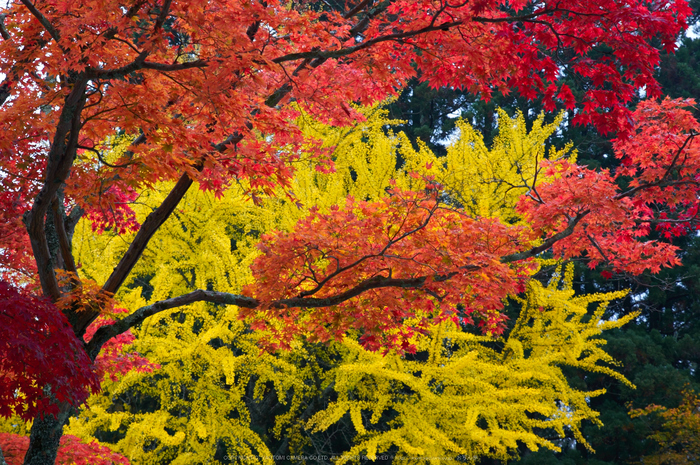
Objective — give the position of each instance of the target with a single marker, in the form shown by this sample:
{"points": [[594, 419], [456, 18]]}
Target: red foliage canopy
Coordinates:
{"points": [[381, 252], [198, 81], [38, 352], [72, 451]]}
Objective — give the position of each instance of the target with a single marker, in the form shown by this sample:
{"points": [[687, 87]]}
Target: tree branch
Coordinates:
{"points": [[105, 333], [660, 182], [140, 61], [356, 9], [3, 30], [60, 161], [513, 19], [174, 66], [165, 10], [325, 55], [148, 228], [154, 221], [63, 241], [548, 242], [381, 253], [43, 20]]}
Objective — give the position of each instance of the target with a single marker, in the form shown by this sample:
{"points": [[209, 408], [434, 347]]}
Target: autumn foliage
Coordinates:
{"points": [[72, 451], [111, 65], [32, 377], [416, 251], [459, 393], [678, 435], [384, 250], [104, 100]]}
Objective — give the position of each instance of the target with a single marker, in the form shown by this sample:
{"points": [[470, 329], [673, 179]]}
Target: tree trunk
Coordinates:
{"points": [[45, 437], [2, 458]]}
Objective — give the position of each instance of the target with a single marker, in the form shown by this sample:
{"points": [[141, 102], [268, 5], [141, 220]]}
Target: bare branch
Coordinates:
{"points": [[119, 72], [101, 158], [174, 66], [107, 332], [356, 9], [513, 19]]}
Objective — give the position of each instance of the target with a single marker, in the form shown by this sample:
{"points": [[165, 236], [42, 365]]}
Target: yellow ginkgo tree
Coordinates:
{"points": [[469, 396], [218, 398]]}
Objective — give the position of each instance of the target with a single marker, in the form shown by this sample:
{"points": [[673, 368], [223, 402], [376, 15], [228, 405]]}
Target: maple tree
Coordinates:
{"points": [[202, 91]]}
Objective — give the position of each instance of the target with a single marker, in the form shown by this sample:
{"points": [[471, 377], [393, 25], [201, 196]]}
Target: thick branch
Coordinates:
{"points": [[164, 12], [252, 30], [141, 63], [60, 160], [107, 332], [72, 221], [63, 240], [43, 20], [174, 66], [3, 30], [5, 91], [148, 228], [512, 19], [356, 9]]}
